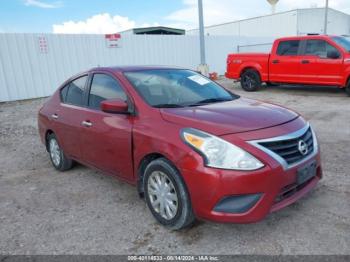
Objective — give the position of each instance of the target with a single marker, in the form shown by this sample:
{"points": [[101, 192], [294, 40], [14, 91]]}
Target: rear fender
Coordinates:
{"points": [[254, 66]]}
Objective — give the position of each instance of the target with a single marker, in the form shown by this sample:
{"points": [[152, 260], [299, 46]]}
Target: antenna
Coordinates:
{"points": [[273, 4]]}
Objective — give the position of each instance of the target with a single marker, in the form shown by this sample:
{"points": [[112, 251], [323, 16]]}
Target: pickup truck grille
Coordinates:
{"points": [[289, 149]]}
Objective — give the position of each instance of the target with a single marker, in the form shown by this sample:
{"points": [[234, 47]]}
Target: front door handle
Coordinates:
{"points": [[86, 123], [305, 61], [54, 116], [275, 61]]}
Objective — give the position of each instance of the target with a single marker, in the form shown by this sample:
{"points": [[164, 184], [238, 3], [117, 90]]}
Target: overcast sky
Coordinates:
{"points": [[109, 16]]}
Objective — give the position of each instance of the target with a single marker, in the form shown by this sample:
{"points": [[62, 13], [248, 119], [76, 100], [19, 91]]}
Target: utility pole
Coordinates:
{"points": [[203, 67], [325, 18]]}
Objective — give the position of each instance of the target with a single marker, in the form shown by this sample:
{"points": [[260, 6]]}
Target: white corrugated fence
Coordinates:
{"points": [[34, 65]]}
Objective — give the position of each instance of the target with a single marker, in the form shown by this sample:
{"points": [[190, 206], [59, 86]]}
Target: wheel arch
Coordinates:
{"points": [[250, 67], [347, 82], [47, 133], [346, 77], [144, 162], [141, 167]]}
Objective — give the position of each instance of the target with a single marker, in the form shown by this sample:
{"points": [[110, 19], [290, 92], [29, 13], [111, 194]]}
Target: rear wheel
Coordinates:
{"points": [[250, 80], [57, 156], [347, 88], [166, 195]]}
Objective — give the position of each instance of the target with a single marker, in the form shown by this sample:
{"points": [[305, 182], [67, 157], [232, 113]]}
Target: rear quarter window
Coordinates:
{"points": [[75, 91], [64, 92]]}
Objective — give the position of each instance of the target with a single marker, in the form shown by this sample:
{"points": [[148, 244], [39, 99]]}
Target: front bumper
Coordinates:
{"points": [[275, 188]]}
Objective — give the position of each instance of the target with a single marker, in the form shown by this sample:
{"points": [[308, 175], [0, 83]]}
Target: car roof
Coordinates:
{"points": [[114, 69], [133, 68]]}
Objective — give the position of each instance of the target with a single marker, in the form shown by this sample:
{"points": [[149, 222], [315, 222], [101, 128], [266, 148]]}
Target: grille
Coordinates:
{"points": [[289, 149]]}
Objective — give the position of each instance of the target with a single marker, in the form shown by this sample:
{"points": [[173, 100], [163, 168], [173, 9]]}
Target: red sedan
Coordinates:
{"points": [[192, 148]]}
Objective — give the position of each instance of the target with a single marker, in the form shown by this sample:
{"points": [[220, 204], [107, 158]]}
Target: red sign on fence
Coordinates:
{"points": [[113, 40]]}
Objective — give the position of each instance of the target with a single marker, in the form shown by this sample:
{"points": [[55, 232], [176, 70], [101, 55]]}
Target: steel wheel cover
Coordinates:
{"points": [[55, 152], [162, 195]]}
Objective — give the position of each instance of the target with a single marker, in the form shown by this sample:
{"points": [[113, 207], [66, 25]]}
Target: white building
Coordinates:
{"points": [[290, 23]]}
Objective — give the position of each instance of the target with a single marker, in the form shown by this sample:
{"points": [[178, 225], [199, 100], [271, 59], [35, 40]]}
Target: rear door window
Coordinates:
{"points": [[104, 87], [288, 48], [75, 94]]}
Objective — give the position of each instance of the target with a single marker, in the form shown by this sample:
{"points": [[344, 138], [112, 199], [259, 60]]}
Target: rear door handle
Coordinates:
{"points": [[305, 61], [54, 116], [275, 61], [86, 123]]}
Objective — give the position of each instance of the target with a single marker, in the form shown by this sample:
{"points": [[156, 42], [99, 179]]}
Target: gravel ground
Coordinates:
{"points": [[84, 212]]}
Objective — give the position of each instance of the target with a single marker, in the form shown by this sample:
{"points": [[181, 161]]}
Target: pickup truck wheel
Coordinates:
{"points": [[347, 88], [250, 80]]}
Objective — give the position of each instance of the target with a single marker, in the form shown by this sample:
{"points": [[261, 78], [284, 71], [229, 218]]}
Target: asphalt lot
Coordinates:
{"points": [[82, 211]]}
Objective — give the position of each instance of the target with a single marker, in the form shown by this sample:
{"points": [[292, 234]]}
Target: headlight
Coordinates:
{"points": [[219, 153]]}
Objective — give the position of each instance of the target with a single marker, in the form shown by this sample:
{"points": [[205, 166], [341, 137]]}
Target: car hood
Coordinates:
{"points": [[239, 115]]}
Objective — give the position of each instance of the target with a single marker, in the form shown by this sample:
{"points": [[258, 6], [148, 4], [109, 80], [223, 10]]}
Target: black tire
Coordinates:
{"points": [[183, 216], [63, 163], [347, 88], [250, 80]]}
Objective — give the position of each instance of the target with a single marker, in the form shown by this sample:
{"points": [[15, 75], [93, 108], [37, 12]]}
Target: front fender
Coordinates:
{"points": [[164, 140], [346, 73]]}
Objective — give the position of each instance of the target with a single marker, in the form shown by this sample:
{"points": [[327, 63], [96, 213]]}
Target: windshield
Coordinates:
{"points": [[343, 42], [164, 88]]}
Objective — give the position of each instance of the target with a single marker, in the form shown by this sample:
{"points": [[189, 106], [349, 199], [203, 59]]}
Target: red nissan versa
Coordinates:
{"points": [[193, 148]]}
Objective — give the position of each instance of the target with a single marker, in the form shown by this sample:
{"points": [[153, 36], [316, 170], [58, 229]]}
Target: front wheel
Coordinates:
{"points": [[166, 195], [250, 80], [347, 88]]}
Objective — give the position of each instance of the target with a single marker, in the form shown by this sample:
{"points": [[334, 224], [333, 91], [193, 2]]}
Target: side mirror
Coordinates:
{"points": [[333, 54], [116, 106]]}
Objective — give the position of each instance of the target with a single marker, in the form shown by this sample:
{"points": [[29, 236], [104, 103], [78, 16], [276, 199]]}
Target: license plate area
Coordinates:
{"points": [[306, 173]]}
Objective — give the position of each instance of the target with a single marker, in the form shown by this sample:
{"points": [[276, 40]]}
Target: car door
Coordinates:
{"points": [[106, 138], [321, 64], [284, 65], [68, 116]]}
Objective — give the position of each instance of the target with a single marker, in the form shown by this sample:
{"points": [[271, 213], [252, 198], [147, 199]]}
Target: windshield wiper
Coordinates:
{"points": [[210, 100], [168, 106]]}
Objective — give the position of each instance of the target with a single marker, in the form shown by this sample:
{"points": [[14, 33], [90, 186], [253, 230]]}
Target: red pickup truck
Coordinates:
{"points": [[308, 60]]}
